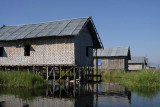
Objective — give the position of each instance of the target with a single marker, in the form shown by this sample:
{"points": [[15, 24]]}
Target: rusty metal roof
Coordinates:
{"points": [[70, 27], [113, 51]]}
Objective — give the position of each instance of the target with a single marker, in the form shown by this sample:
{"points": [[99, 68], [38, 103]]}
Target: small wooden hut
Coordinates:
{"points": [[57, 43], [113, 58], [138, 63]]}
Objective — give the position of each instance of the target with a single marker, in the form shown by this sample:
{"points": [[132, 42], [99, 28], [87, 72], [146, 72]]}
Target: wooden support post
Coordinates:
{"points": [[74, 73], [96, 66], [60, 73], [92, 74], [27, 69], [5, 68], [54, 74], [68, 75], [79, 75], [96, 94], [46, 72], [84, 73], [87, 73], [60, 90], [33, 69], [74, 91], [18, 68]]}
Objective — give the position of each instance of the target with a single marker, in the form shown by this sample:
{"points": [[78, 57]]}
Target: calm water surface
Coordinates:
{"points": [[84, 95]]}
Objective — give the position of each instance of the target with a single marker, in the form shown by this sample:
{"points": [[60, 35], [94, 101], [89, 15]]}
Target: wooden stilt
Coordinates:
{"points": [[54, 74], [5, 68], [34, 69], [84, 74], [74, 73], [96, 66], [18, 68], [60, 73], [87, 73], [79, 75], [92, 74], [46, 72]]}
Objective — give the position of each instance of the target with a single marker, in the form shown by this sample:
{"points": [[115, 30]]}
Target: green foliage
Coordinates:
{"points": [[21, 79], [143, 78]]}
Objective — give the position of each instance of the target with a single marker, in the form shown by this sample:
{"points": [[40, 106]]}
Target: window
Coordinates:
{"points": [[1, 51], [27, 50], [99, 62], [87, 51]]}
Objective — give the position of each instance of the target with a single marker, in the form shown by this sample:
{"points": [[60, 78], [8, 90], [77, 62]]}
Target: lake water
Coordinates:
{"points": [[84, 95]]}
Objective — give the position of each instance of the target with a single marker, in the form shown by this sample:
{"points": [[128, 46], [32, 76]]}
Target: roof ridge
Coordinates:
{"points": [[138, 56], [50, 21], [117, 47]]}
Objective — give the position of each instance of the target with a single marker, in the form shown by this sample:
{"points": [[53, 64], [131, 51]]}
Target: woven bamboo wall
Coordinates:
{"points": [[83, 40], [112, 63], [52, 50]]}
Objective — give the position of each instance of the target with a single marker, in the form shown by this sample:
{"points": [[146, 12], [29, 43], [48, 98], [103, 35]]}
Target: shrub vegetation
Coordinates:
{"points": [[21, 79], [142, 78]]}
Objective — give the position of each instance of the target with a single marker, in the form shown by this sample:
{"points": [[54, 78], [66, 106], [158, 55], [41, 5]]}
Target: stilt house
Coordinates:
{"points": [[138, 63], [113, 58], [63, 42]]}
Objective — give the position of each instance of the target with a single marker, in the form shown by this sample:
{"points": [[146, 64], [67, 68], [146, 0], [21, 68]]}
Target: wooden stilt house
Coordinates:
{"points": [[113, 58], [56, 43], [64, 42], [138, 63]]}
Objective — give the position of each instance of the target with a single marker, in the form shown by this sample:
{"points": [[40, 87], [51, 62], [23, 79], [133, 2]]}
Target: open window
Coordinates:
{"points": [[1, 51], [87, 51], [27, 49]]}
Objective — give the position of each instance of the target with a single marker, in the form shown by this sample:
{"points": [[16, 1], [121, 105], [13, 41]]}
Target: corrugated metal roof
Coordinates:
{"points": [[113, 51], [138, 60], [70, 27], [55, 28]]}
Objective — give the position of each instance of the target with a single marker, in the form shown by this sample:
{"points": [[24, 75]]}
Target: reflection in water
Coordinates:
{"points": [[112, 94], [65, 95], [146, 92], [69, 95]]}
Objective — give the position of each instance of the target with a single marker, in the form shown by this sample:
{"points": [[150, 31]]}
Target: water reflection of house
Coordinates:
{"points": [[113, 93], [13, 101], [58, 96], [113, 58], [138, 63]]}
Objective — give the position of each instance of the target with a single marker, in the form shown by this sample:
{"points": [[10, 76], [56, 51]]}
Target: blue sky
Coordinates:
{"points": [[134, 23]]}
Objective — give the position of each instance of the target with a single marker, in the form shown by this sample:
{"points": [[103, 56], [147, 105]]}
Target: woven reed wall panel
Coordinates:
{"points": [[135, 66], [112, 63], [83, 40], [53, 50]]}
